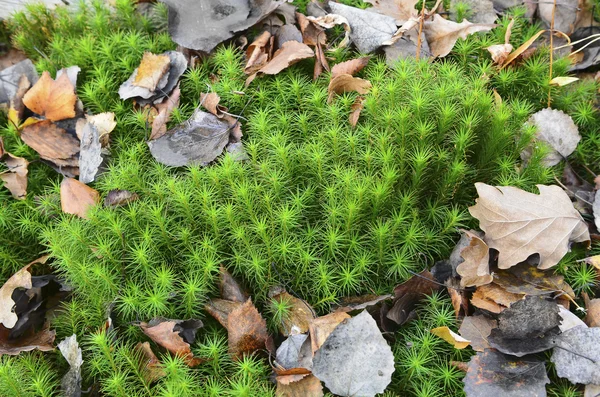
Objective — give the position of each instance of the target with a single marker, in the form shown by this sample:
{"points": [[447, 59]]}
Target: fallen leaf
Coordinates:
{"points": [[295, 352], [11, 76], [117, 198], [290, 53], [220, 309], [21, 279], [149, 364], [210, 101], [52, 143], [71, 381], [356, 109], [564, 14], [442, 34], [592, 306], [454, 339], [42, 341], [307, 386], [475, 270], [258, 53], [15, 178], [556, 129], [90, 154], [401, 10], [458, 298], [577, 357], [477, 329], [525, 278], [105, 123], [500, 53], [298, 315], [152, 68], [174, 335], [287, 33], [312, 33], [569, 320], [492, 373], [518, 223], [350, 67], [369, 30], [350, 304], [591, 391], [71, 72], [346, 83], [230, 288], [527, 326], [561, 81], [199, 140], [202, 26], [493, 298], [408, 294], [237, 151], [77, 198], [522, 48], [321, 327], [159, 124], [246, 330], [54, 99]]}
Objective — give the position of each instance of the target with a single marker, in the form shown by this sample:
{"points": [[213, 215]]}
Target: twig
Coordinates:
{"points": [[421, 22], [551, 52]]}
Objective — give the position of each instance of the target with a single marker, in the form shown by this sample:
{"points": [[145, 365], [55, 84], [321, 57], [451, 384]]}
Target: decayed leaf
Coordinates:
{"points": [[15, 178], [90, 153], [199, 140], [159, 124], [52, 143], [477, 329], [519, 224], [71, 381], [592, 306], [522, 49], [175, 336], [117, 198], [491, 373], [307, 386], [475, 270], [449, 336], [77, 198], [152, 68], [442, 34], [402, 10], [347, 83], [408, 294], [321, 327], [295, 352], [350, 304], [258, 53], [290, 53], [230, 288], [527, 326], [355, 360], [369, 30], [220, 309], [298, 316], [21, 279], [203, 25], [350, 67], [525, 278], [558, 130], [42, 340], [53, 99], [328, 21], [577, 357], [493, 298], [149, 363], [246, 330], [356, 108]]}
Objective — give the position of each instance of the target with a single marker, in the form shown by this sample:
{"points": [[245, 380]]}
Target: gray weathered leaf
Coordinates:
{"points": [[558, 130], [202, 25], [288, 33], [295, 352], [90, 154], [71, 72], [355, 359], [71, 382], [577, 357], [369, 30], [565, 14], [199, 140], [9, 79]]}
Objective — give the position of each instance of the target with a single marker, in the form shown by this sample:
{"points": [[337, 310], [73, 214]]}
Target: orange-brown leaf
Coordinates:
{"points": [[53, 99], [306, 386], [289, 53], [247, 330], [165, 335], [494, 298], [52, 143], [15, 178], [152, 69], [350, 67], [321, 327], [77, 198], [475, 271], [356, 108], [258, 53], [346, 83], [42, 340]]}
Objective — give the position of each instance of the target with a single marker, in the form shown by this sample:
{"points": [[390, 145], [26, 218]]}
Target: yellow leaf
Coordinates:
{"points": [[560, 81], [454, 339]]}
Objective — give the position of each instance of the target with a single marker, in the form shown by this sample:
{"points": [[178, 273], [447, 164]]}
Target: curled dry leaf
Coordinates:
{"points": [[350, 67], [346, 83], [475, 270], [519, 224], [306, 386], [522, 49], [42, 341], [21, 279], [329, 21], [500, 53], [52, 143], [321, 327], [105, 123], [117, 198], [290, 53], [149, 364], [159, 124], [258, 53], [15, 178], [295, 352], [77, 198], [54, 99], [442, 34], [493, 298], [220, 309], [152, 68], [451, 337], [175, 336], [408, 294], [477, 329], [246, 330], [356, 108], [71, 381]]}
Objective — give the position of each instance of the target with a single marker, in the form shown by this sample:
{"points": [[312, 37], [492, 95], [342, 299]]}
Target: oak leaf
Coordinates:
{"points": [[519, 224], [54, 99], [77, 198], [442, 34]]}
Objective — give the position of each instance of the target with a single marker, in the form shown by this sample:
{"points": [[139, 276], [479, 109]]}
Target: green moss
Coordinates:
{"points": [[326, 209]]}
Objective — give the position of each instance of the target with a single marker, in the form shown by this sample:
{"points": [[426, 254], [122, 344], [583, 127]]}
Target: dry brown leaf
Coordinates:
{"points": [[15, 178], [493, 298], [350, 67], [246, 330], [52, 143], [230, 288], [321, 62], [258, 53], [149, 364], [77, 198], [409, 293], [167, 334], [592, 306], [459, 300], [291, 386], [518, 223], [53, 99], [290, 53], [312, 34], [210, 101], [477, 329], [449, 336], [220, 309], [500, 53], [42, 340], [356, 108], [321, 327], [21, 279], [524, 47], [152, 68], [442, 34], [402, 10], [475, 270], [159, 124], [526, 278], [298, 317], [347, 83]]}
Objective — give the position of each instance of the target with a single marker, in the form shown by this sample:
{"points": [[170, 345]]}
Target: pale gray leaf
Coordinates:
{"points": [[569, 319], [199, 140], [355, 359], [71, 381], [564, 14], [90, 154], [72, 72], [406, 47], [369, 29], [577, 357], [288, 33], [477, 329], [9, 78], [295, 352]]}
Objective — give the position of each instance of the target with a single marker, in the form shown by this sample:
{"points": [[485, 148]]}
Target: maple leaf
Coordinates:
{"points": [[519, 224], [54, 99]]}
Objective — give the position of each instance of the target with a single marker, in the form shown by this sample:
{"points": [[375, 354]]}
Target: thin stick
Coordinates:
{"points": [[421, 22], [551, 51]]}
